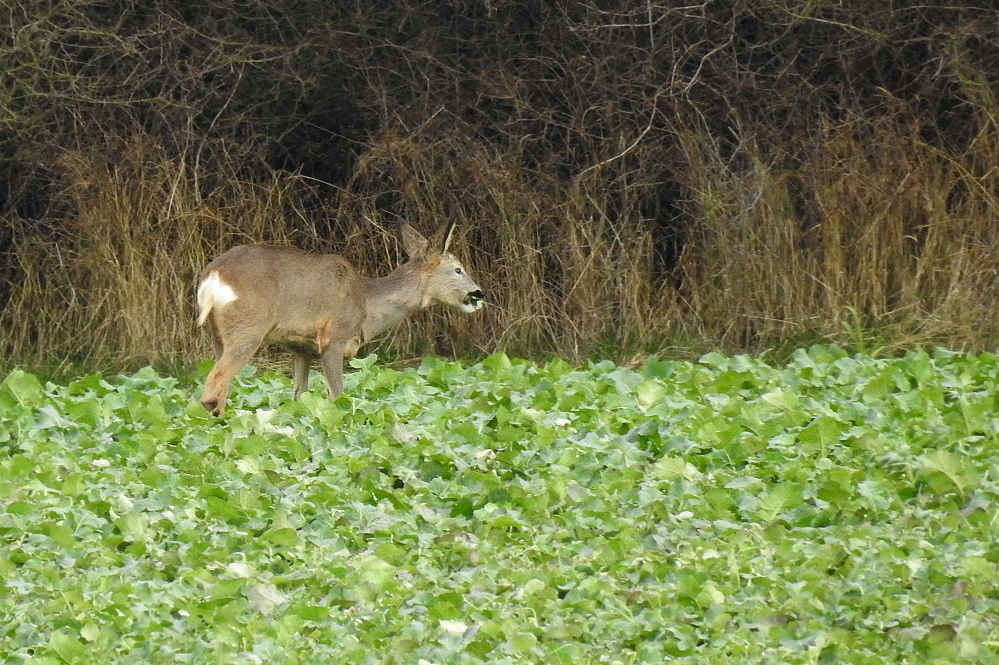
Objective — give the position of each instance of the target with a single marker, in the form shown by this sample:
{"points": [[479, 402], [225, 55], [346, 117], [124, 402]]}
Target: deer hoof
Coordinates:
{"points": [[212, 406]]}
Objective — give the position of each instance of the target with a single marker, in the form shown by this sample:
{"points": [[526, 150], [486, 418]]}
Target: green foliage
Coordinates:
{"points": [[835, 509]]}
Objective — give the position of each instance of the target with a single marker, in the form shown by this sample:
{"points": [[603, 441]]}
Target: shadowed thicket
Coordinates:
{"points": [[627, 176]]}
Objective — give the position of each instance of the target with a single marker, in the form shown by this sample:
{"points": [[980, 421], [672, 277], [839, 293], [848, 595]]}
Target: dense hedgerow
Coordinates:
{"points": [[627, 175]]}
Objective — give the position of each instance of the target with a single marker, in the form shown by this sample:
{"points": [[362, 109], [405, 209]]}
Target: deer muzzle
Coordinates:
{"points": [[473, 301]]}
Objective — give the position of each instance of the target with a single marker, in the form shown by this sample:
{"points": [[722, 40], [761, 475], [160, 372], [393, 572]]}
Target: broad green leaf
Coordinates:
{"points": [[673, 468], [523, 641], [264, 598], [498, 362], [249, 465], [649, 393], [951, 466], [69, 649], [283, 537], [822, 432], [710, 595], [372, 570], [455, 627], [23, 387], [61, 536], [714, 359], [778, 500], [90, 632], [782, 399]]}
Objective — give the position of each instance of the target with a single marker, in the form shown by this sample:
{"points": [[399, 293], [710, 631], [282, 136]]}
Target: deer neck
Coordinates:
{"points": [[392, 298]]}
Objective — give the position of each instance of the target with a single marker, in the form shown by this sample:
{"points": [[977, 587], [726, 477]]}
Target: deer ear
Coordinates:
{"points": [[442, 239], [413, 243]]}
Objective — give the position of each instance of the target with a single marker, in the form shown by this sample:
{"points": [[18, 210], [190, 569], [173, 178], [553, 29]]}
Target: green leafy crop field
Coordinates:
{"points": [[837, 509]]}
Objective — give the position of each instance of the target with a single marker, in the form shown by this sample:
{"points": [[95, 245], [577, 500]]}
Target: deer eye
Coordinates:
{"points": [[457, 271]]}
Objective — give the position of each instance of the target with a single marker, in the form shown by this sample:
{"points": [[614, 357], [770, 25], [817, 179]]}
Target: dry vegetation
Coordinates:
{"points": [[628, 175]]}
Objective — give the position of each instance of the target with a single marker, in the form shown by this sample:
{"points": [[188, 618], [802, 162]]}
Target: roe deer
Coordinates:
{"points": [[318, 305]]}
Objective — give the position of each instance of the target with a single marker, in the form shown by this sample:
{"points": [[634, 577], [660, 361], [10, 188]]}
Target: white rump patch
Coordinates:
{"points": [[213, 292]]}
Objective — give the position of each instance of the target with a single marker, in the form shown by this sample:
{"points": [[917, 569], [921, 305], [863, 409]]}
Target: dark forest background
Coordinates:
{"points": [[627, 176]]}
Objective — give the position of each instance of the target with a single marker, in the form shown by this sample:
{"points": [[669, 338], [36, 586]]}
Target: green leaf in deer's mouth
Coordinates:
{"points": [[474, 299]]}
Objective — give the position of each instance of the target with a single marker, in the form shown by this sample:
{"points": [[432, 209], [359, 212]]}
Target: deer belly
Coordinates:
{"points": [[314, 342]]}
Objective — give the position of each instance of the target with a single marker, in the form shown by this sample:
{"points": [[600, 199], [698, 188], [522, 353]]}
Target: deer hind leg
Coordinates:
{"points": [[216, 339], [300, 373], [234, 356]]}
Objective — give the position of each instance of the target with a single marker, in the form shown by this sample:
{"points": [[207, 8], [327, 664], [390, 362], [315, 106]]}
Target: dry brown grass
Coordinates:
{"points": [[111, 284], [627, 177], [883, 236]]}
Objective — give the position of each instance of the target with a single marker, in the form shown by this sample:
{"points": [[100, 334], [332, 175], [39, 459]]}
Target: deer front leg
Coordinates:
{"points": [[332, 364], [300, 373]]}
